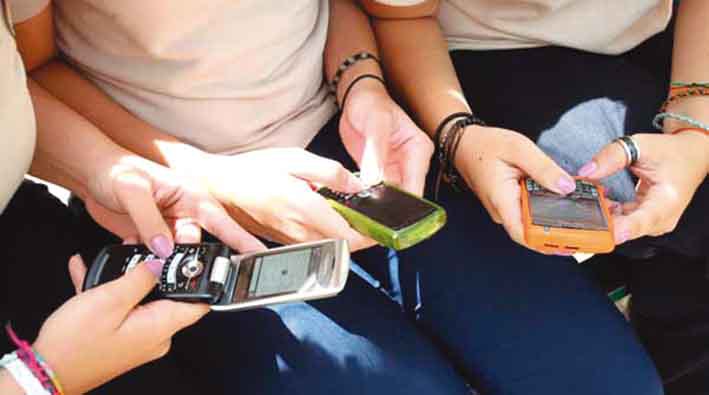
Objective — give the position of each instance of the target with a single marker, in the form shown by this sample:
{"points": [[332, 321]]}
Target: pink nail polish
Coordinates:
{"points": [[588, 169], [155, 266], [162, 246], [566, 185]]}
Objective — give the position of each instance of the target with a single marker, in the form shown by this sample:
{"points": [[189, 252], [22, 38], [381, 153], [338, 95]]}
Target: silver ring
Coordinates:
{"points": [[631, 149]]}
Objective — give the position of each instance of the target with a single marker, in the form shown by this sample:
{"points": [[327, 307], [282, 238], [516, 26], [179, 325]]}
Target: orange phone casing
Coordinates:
{"points": [[550, 239]]}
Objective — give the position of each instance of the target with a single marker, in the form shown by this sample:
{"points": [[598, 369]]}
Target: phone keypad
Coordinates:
{"points": [[584, 189]]}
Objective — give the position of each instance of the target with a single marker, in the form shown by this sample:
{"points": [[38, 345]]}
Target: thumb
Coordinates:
{"points": [[540, 167], [131, 288], [164, 318], [77, 272], [319, 170], [135, 194], [375, 127], [608, 161]]}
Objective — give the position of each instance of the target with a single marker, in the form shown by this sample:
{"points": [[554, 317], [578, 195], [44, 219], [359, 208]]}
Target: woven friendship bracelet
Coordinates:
{"points": [[659, 118], [31, 359], [684, 93], [346, 64], [683, 85]]}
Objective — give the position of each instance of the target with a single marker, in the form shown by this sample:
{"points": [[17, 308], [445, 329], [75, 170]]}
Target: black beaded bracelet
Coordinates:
{"points": [[447, 145], [356, 80], [346, 64]]}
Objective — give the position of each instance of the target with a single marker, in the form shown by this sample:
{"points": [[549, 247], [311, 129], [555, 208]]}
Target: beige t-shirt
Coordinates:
{"points": [[17, 125], [601, 26], [225, 76]]}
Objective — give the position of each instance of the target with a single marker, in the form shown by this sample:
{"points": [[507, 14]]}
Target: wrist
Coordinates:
{"points": [[355, 71], [470, 140], [8, 385], [695, 107]]}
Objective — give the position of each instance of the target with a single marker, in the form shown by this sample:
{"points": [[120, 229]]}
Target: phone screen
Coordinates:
{"points": [[281, 273], [389, 206], [578, 210]]}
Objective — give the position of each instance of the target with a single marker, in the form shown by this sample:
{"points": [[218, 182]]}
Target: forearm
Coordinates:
{"points": [[69, 148], [119, 125], [349, 32], [8, 385], [690, 63], [419, 68]]}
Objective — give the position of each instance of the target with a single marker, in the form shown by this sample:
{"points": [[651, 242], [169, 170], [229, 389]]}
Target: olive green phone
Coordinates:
{"points": [[385, 213]]}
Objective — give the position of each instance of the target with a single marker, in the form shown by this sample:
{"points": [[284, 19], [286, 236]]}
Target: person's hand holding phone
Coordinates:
{"points": [[103, 333], [492, 161], [670, 169], [384, 142], [271, 193]]}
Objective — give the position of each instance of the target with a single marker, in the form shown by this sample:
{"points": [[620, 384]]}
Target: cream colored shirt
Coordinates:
{"points": [[17, 125], [601, 26], [225, 76]]}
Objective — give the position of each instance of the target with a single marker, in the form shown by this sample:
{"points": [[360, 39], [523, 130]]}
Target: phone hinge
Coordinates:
{"points": [[220, 270]]}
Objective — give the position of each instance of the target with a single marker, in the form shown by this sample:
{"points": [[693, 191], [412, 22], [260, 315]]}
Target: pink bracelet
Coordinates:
{"points": [[35, 363]]}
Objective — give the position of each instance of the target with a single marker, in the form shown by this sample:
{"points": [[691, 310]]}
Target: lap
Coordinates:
{"points": [[515, 321]]}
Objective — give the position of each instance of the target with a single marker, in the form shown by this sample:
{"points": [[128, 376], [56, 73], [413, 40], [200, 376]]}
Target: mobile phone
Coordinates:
{"points": [[212, 273], [392, 217], [577, 222]]}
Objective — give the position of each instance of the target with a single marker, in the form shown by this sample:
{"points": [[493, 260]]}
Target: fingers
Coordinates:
{"points": [[610, 160], [540, 167], [163, 318], [134, 193], [77, 272], [647, 217], [187, 230], [323, 219], [128, 290], [506, 201], [320, 170], [217, 221]]}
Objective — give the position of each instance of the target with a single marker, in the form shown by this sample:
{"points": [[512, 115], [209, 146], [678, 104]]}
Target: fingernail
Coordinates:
{"points": [[588, 169], [155, 266], [566, 185], [162, 246]]}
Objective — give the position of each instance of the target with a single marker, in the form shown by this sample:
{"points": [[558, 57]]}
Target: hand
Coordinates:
{"points": [[493, 160], [670, 169], [134, 197], [383, 140], [103, 333], [270, 192]]}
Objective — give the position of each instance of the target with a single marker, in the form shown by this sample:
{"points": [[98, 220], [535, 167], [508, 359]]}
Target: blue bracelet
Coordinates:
{"points": [[659, 118]]}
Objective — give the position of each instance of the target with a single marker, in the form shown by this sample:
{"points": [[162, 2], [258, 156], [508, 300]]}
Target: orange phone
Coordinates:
{"points": [[577, 222]]}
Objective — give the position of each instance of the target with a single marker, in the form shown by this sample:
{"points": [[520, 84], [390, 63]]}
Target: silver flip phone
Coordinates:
{"points": [[211, 273]]}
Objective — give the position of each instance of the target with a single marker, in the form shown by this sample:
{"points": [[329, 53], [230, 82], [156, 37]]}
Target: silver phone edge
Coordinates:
{"points": [[341, 249]]}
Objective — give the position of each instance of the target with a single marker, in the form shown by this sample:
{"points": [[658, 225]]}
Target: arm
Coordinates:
{"points": [[490, 160], [690, 63], [380, 137], [8, 385], [416, 60], [670, 167], [36, 44]]}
